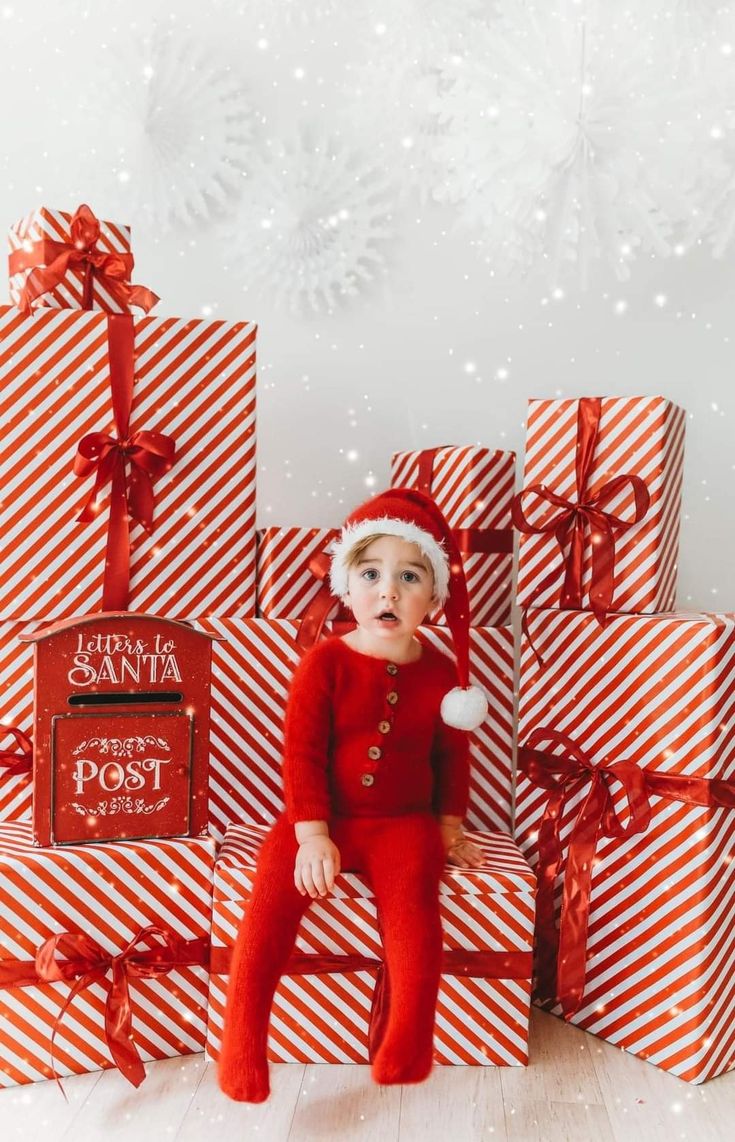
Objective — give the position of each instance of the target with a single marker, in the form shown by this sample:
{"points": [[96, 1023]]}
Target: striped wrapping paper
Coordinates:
{"points": [[285, 585], [195, 380], [658, 691], [639, 435], [55, 225], [16, 709], [325, 1019], [251, 673], [473, 487], [110, 892]]}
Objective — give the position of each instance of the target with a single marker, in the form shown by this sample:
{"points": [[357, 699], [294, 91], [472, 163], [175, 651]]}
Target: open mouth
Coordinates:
{"points": [[387, 617]]}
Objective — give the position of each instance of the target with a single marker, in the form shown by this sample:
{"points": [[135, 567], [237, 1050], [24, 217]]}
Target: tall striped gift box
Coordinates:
{"points": [[285, 583], [194, 382], [106, 897], [252, 669], [614, 447], [487, 916], [625, 804], [34, 241], [16, 710], [473, 487]]}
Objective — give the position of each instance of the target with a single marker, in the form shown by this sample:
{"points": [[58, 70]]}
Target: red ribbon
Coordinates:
{"points": [[85, 962], [568, 523], [51, 261], [321, 606], [466, 964], [562, 953], [130, 462], [19, 760]]}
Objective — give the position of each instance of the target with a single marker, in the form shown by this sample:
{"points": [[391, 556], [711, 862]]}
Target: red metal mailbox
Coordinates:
{"points": [[121, 729]]}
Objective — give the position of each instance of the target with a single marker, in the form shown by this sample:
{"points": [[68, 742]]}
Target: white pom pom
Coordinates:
{"points": [[465, 709]]}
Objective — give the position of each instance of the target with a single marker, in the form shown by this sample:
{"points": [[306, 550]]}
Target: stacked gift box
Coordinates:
{"points": [[118, 496], [324, 1007], [625, 789], [128, 472]]}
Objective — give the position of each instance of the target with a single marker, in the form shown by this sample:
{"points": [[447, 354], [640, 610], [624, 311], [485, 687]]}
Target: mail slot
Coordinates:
{"points": [[121, 729]]}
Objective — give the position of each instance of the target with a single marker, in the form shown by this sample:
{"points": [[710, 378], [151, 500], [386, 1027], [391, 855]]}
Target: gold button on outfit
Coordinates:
{"points": [[367, 779], [392, 668], [392, 697], [384, 727], [375, 753]]}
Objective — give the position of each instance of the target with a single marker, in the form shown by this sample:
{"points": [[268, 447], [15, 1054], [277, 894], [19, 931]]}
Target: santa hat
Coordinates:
{"points": [[413, 516]]}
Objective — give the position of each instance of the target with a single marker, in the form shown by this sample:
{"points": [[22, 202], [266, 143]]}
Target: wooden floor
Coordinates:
{"points": [[578, 1089]]}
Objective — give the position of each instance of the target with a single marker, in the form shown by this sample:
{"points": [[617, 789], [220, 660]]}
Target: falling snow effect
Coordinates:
{"points": [[316, 225]]}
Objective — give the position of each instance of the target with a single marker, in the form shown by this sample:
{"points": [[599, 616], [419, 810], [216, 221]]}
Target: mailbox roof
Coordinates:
{"points": [[81, 620]]}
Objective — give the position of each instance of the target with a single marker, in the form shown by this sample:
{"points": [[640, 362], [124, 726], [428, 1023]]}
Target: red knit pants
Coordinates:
{"points": [[402, 858]]}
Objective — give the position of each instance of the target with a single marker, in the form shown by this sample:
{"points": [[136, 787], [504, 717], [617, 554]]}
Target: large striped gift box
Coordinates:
{"points": [[16, 709], [632, 719], [473, 487], [251, 671], [46, 225], [285, 583], [109, 894], [325, 1018], [639, 436], [194, 381]]}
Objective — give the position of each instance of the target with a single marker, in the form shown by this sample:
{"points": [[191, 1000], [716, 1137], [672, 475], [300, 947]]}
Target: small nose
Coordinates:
{"points": [[390, 589]]}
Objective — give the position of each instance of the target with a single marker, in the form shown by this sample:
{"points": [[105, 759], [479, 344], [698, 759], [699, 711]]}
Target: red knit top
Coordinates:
{"points": [[364, 737]]}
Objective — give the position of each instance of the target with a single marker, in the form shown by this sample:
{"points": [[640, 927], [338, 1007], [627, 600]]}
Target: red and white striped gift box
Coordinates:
{"points": [[110, 892], [251, 672], [16, 709], [473, 487], [642, 436], [326, 1018], [195, 381], [285, 585], [44, 224], [659, 692]]}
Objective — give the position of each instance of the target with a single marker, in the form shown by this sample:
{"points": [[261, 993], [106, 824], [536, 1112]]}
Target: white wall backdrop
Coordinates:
{"points": [[433, 208]]}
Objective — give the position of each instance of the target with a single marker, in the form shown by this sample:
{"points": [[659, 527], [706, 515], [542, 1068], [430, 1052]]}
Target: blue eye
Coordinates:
{"points": [[410, 577], [370, 574]]}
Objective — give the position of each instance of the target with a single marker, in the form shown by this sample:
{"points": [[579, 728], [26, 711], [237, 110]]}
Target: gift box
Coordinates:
{"points": [[286, 582], [324, 1016], [183, 468], [473, 487], [79, 261], [251, 672], [66, 913], [599, 513], [625, 805], [16, 711]]}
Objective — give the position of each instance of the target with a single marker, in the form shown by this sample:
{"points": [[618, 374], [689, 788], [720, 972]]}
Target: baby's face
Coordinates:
{"points": [[391, 588]]}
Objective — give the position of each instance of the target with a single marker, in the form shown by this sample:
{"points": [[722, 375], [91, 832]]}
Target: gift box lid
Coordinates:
{"points": [[505, 870], [109, 891]]}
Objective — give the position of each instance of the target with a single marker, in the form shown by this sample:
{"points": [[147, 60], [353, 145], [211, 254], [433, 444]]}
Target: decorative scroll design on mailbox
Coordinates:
{"points": [[119, 805], [122, 747]]}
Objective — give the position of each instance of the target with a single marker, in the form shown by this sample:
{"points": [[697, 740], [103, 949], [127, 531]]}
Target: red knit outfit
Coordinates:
{"points": [[365, 750]]}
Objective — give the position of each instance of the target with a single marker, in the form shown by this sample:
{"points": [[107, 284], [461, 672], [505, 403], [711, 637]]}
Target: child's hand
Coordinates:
{"points": [[459, 850], [317, 865]]}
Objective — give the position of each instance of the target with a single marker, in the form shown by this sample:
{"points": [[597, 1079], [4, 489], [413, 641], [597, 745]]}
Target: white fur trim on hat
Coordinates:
{"points": [[387, 525]]}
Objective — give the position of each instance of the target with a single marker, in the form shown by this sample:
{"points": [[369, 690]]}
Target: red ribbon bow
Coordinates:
{"points": [[148, 455], [568, 523], [86, 963], [562, 953], [19, 760], [51, 261]]}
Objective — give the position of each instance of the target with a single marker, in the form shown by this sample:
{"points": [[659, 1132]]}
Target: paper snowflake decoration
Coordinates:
{"points": [[315, 227], [571, 135], [174, 129]]}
